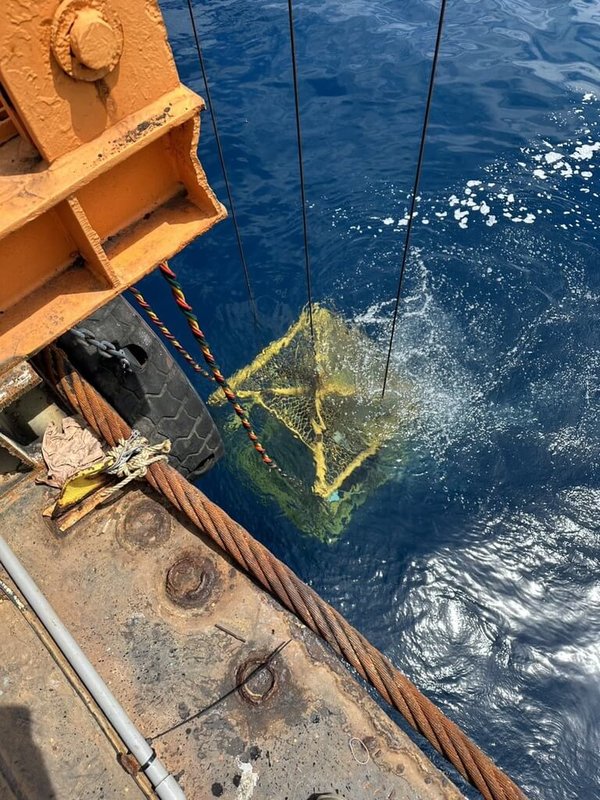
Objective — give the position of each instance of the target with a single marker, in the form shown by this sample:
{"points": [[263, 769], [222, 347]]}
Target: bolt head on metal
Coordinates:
{"points": [[86, 38], [145, 526], [257, 680], [93, 41], [190, 580]]}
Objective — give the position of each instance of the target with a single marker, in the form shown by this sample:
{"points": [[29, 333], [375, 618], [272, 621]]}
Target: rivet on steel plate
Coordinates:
{"points": [[256, 679], [146, 525], [190, 580]]}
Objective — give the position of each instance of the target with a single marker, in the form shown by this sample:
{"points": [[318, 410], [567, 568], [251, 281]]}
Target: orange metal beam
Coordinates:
{"points": [[99, 176]]}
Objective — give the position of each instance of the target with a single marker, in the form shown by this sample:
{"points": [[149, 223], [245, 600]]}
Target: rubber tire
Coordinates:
{"points": [[156, 397]]}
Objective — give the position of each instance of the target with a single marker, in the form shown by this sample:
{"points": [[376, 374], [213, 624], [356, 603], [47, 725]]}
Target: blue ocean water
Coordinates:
{"points": [[475, 567]]}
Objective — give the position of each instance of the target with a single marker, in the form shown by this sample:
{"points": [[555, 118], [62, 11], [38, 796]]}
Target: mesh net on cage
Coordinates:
{"points": [[325, 394]]}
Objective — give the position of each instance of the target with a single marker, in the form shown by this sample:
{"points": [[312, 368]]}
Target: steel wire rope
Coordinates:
{"points": [[301, 164], [394, 687], [415, 191], [213, 117]]}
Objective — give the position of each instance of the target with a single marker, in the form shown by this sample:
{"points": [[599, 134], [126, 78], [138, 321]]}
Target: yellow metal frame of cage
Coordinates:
{"points": [[321, 317]]}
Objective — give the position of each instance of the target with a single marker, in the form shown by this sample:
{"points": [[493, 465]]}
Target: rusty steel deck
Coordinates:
{"points": [[240, 700]]}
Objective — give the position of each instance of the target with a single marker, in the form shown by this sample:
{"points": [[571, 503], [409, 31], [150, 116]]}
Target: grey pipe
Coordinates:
{"points": [[165, 785]]}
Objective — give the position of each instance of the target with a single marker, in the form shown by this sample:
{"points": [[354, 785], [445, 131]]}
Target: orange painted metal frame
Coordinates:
{"points": [[99, 180]]}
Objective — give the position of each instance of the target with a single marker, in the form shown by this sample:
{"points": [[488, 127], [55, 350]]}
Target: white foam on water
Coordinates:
{"points": [[585, 151], [551, 157], [512, 202], [494, 334], [552, 165]]}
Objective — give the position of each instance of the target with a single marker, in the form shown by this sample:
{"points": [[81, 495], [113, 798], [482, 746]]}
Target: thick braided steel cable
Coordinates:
{"points": [[280, 581], [170, 337], [192, 320]]}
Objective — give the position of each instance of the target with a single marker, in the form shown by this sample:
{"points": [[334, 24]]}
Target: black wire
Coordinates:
{"points": [[415, 192], [227, 694], [301, 165], [213, 116]]}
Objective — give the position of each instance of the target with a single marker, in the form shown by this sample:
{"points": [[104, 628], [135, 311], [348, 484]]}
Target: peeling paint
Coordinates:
{"points": [[248, 780]]}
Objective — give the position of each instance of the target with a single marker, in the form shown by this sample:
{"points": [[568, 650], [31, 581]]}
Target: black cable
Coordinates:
{"points": [[213, 116], [415, 192], [301, 165], [227, 694]]}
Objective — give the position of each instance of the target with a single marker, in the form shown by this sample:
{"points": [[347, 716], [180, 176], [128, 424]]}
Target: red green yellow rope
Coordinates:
{"points": [[218, 376], [153, 316]]}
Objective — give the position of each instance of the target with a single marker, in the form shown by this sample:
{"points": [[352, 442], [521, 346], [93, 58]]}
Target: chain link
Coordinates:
{"points": [[103, 346]]}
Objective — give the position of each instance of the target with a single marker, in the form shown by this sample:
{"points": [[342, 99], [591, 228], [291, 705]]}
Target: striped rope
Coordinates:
{"points": [[153, 317], [231, 396]]}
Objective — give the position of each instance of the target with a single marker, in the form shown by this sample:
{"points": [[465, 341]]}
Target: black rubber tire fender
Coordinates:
{"points": [[155, 397]]}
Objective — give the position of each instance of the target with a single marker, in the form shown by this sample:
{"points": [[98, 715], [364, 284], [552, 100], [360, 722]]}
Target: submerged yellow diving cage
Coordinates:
{"points": [[99, 177]]}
